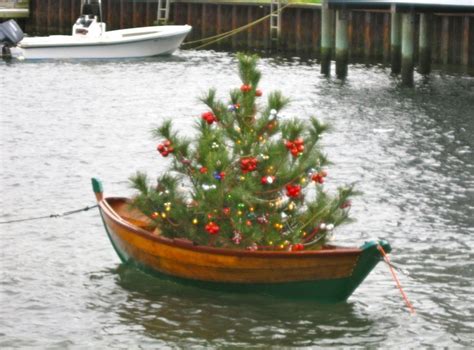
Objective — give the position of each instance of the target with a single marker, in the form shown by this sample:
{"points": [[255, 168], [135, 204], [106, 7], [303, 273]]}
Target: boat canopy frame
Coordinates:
{"points": [[92, 7]]}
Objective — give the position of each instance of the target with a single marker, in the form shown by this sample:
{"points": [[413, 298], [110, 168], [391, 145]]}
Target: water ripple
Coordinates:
{"points": [[410, 151]]}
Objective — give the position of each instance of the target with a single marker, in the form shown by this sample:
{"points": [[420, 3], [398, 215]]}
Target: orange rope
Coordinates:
{"points": [[397, 281]]}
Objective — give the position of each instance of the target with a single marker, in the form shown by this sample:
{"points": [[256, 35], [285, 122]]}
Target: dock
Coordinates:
{"points": [[14, 9], [405, 34]]}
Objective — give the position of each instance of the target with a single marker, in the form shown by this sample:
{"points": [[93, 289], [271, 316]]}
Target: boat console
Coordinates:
{"points": [[86, 25], [89, 22]]}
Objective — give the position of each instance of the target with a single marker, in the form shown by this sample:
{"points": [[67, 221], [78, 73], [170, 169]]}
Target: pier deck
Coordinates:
{"points": [[14, 9]]}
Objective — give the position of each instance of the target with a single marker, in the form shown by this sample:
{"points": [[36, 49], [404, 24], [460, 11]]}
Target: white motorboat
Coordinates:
{"points": [[90, 39]]}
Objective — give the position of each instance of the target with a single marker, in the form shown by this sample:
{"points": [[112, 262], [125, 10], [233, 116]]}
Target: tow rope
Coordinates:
{"points": [[51, 215], [213, 39], [397, 281]]}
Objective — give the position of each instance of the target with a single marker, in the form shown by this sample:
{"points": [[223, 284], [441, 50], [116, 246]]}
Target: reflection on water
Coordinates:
{"points": [[168, 310], [410, 151]]}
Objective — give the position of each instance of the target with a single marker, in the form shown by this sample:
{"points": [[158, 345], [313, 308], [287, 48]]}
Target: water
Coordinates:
{"points": [[410, 151]]}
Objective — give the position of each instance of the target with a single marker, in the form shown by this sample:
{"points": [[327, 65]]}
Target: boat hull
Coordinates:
{"points": [[127, 43], [329, 275]]}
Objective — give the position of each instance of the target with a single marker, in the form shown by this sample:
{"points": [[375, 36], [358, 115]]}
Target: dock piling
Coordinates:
{"points": [[327, 15], [395, 40], [425, 43], [408, 26], [342, 45]]}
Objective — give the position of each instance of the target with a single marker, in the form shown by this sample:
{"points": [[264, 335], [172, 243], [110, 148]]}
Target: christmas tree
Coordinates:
{"points": [[251, 179]]}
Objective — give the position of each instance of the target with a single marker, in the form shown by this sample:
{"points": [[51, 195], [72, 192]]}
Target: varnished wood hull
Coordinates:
{"points": [[328, 275]]}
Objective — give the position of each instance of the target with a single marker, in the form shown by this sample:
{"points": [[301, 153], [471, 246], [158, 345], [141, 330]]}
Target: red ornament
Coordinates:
{"points": [[203, 170], [245, 88], [248, 223], [248, 164], [222, 175], [297, 247], [154, 215], [268, 180], [293, 191], [226, 211], [209, 117], [212, 228], [165, 148], [296, 147], [319, 177], [237, 237], [258, 92], [346, 204]]}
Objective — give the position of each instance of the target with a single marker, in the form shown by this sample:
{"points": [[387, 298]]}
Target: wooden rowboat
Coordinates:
{"points": [[328, 275]]}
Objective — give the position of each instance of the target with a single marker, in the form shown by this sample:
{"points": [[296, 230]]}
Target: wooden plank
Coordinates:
{"points": [[368, 35], [204, 20], [386, 37], [234, 25], [251, 29], [465, 41], [445, 39], [316, 32], [298, 30]]}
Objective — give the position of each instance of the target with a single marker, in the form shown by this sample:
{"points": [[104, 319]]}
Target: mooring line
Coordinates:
{"points": [[397, 281], [215, 38], [51, 215]]}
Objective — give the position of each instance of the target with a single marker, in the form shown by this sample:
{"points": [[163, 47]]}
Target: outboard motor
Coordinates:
{"points": [[10, 35]]}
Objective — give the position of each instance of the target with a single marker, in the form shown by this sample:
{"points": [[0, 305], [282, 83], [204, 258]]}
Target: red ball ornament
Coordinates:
{"points": [[212, 228], [248, 164], [203, 170], [293, 191], [165, 148], [296, 147], [319, 177], [248, 223], [155, 215], [226, 211], [258, 92], [209, 117], [245, 88], [297, 247]]}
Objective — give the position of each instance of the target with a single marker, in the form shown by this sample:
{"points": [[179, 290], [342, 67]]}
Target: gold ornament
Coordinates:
{"points": [[291, 206], [195, 221], [163, 215]]}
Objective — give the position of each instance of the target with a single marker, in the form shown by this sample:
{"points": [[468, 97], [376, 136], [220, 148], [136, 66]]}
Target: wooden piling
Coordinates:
{"points": [[408, 27], [326, 37], [395, 40], [342, 44], [425, 43]]}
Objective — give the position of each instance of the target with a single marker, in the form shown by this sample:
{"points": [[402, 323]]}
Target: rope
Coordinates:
{"points": [[213, 39], [50, 216], [397, 281]]}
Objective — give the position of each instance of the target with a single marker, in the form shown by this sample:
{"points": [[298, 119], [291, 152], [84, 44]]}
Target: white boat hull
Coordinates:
{"points": [[124, 43]]}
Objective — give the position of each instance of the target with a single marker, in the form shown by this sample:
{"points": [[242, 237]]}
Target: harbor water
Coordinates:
{"points": [[410, 151]]}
